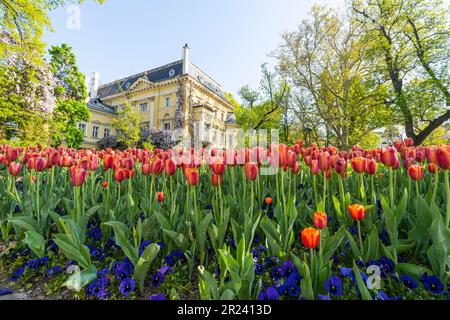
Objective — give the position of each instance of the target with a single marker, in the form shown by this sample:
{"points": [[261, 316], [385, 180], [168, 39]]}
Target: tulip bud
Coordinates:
{"points": [[160, 196], [296, 168], [310, 237], [357, 212], [268, 201], [320, 220], [104, 184], [432, 167]]}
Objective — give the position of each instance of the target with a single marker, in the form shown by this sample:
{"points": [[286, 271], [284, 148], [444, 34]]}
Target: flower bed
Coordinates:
{"points": [[287, 222]]}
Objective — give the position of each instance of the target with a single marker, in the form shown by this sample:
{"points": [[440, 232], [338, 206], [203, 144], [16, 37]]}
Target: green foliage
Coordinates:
{"points": [[127, 126]]}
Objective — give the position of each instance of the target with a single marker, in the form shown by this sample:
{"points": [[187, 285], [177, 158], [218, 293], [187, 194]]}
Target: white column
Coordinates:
{"points": [[152, 111]]}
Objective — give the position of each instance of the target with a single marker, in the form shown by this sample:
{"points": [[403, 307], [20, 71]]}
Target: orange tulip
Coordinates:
{"points": [[358, 164], [104, 184], [191, 176], [251, 171], [357, 212], [310, 237], [268, 201], [320, 220], [415, 172], [324, 161], [14, 168], [160, 196], [119, 175]]}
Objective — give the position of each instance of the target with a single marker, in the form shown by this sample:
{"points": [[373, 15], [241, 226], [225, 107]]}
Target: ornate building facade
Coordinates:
{"points": [[178, 97]]}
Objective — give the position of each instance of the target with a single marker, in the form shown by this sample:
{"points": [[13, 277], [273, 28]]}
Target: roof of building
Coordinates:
{"points": [[96, 104], [166, 72]]}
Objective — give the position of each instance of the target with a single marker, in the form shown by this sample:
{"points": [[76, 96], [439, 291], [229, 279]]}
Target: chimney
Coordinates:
{"points": [[93, 85], [185, 59]]}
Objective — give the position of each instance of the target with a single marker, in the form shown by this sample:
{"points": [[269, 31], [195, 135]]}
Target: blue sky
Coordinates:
{"points": [[229, 39]]}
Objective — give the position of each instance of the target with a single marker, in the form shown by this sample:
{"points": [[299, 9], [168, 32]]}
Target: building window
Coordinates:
{"points": [[95, 132], [82, 126], [222, 115], [144, 107], [168, 102], [106, 132], [214, 139], [206, 133], [167, 126], [222, 138]]}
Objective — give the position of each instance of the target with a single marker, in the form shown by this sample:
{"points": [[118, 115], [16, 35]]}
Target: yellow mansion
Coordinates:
{"points": [[177, 96]]}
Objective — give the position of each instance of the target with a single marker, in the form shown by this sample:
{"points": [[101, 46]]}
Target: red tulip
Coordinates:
{"points": [[157, 167], [357, 212], [170, 168], [371, 166], [14, 168], [358, 164], [340, 166], [415, 172], [40, 164], [108, 161], [324, 161], [409, 142], [12, 154], [432, 167], [320, 220], [104, 184], [268, 201], [216, 180], [145, 169], [77, 176], [443, 158], [192, 176], [217, 165], [251, 171], [310, 237], [296, 168], [160, 196]]}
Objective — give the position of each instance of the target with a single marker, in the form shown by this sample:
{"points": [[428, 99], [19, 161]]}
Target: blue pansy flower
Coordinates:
{"points": [[432, 284], [334, 286], [259, 269], [127, 286], [409, 282], [159, 296], [157, 279]]}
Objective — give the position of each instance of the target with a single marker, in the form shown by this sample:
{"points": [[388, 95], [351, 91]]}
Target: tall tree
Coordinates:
{"points": [[323, 62], [71, 93], [262, 108], [408, 44], [127, 126]]}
